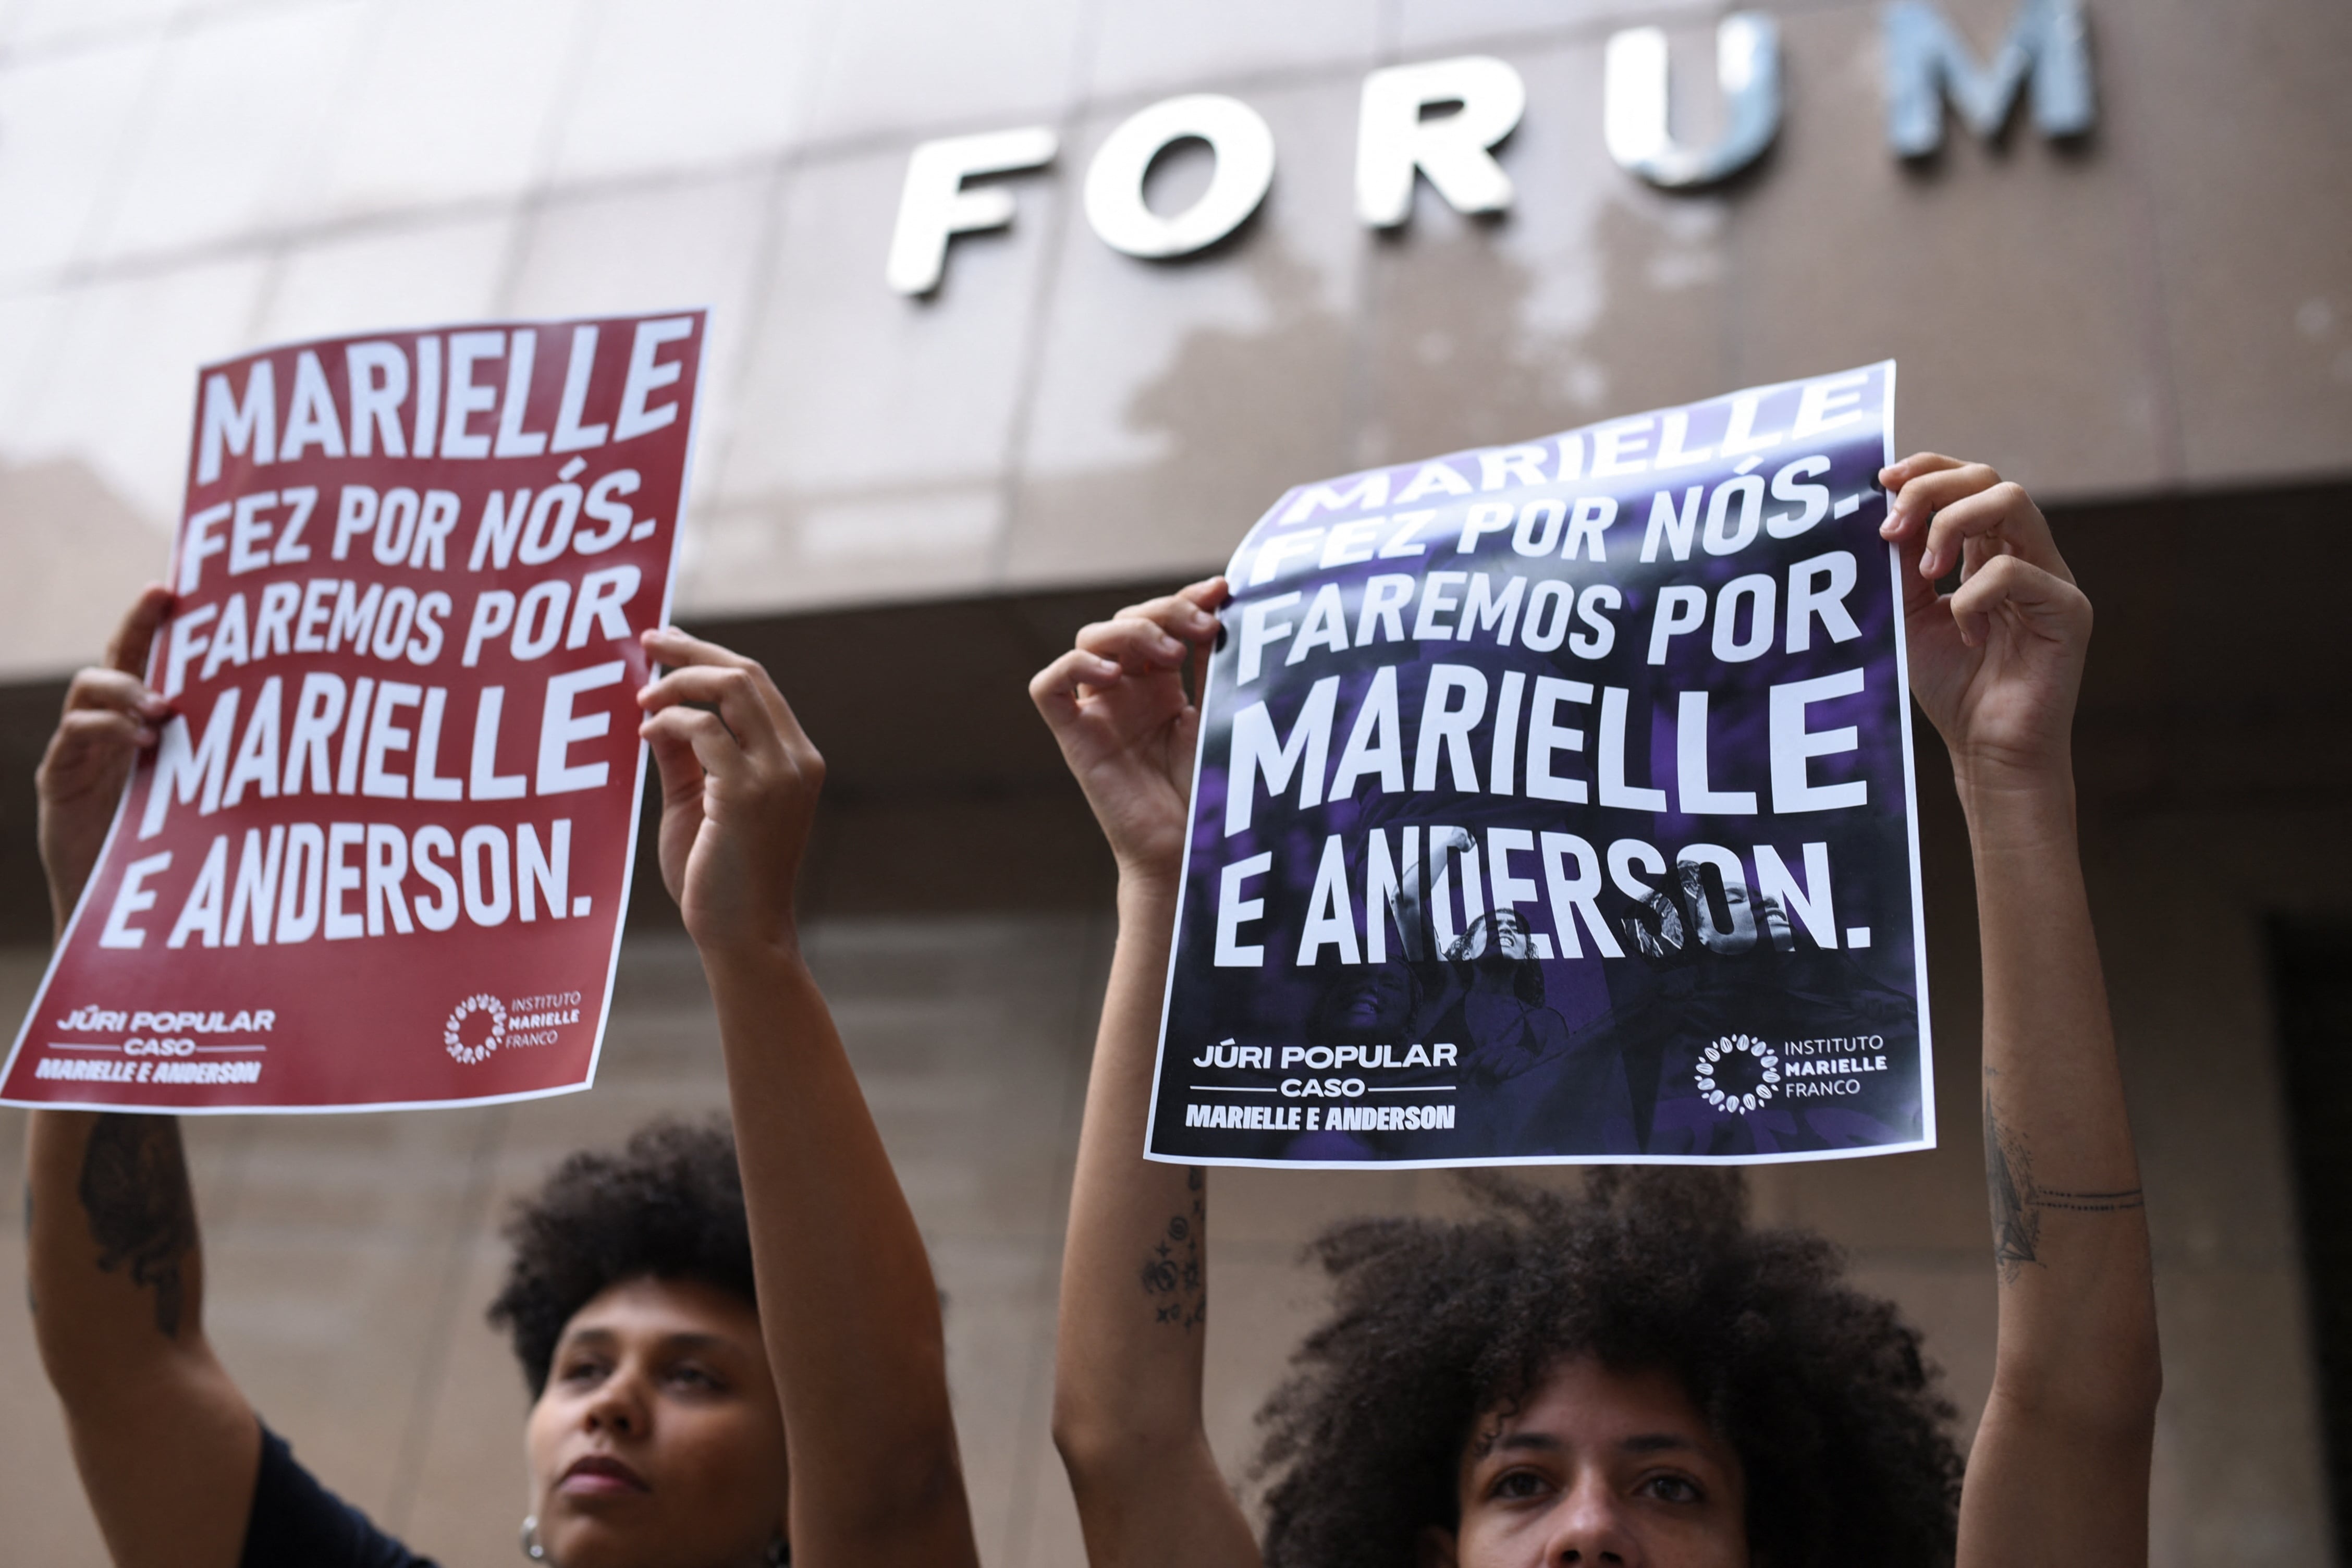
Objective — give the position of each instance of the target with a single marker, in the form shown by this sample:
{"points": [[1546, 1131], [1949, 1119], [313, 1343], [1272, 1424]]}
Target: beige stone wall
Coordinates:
{"points": [[2168, 306]]}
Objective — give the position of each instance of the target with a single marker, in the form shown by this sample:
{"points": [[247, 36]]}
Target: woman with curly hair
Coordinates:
{"points": [[1814, 1394], [688, 1312], [1635, 1378]]}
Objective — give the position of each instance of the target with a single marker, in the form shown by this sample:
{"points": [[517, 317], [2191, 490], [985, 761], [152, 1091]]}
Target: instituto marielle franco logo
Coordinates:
{"points": [[1738, 1073], [1741, 1073], [482, 1023], [1925, 62], [487, 1016]]}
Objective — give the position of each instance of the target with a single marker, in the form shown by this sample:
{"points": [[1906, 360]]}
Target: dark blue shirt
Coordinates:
{"points": [[298, 1523]]}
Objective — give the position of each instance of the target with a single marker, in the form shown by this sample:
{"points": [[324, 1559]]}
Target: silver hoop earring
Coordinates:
{"points": [[530, 1546]]}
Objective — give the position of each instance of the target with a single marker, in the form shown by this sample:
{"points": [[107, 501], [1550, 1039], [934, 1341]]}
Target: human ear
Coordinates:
{"points": [[1436, 1548]]}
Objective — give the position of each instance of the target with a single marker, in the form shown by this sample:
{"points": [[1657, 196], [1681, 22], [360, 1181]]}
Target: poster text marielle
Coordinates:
{"points": [[381, 854]]}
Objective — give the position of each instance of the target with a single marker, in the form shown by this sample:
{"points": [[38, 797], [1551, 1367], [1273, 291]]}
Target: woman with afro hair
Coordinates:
{"points": [[689, 1312], [1634, 1377]]}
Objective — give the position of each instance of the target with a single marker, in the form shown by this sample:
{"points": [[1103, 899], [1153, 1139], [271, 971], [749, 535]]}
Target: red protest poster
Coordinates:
{"points": [[381, 855]]}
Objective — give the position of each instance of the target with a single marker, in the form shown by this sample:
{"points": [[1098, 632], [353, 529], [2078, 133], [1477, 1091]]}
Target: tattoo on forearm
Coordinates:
{"points": [[1175, 1280], [2009, 1187], [134, 1188], [2091, 1202], [2018, 1201]]}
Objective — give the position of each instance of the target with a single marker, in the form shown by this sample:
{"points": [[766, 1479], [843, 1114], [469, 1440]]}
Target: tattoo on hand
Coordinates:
{"points": [[1174, 1279], [2017, 1203], [134, 1188]]}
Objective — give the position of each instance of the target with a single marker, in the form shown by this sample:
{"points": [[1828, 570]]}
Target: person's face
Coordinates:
{"points": [[1597, 1466], [1508, 937], [1741, 933], [659, 1440], [1379, 1000]]}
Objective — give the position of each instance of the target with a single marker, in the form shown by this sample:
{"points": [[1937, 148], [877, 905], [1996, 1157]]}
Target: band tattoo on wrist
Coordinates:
{"points": [[1175, 1278], [2017, 1203], [134, 1190], [2092, 1203]]}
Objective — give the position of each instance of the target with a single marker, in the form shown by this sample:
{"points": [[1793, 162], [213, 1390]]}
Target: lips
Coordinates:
{"points": [[599, 1475]]}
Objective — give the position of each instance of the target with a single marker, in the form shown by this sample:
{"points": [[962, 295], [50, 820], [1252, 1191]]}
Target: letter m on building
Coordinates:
{"points": [[1926, 60]]}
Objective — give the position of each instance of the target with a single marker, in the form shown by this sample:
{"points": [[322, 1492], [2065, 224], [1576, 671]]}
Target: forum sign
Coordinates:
{"points": [[1441, 120]]}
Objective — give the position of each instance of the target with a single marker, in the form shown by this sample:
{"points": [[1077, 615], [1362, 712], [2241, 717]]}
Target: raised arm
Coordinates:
{"points": [[2060, 1470], [847, 1304], [167, 1445], [1126, 1384]]}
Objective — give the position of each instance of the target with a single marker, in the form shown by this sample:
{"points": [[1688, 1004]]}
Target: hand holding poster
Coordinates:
{"points": [[381, 852], [1554, 803]]}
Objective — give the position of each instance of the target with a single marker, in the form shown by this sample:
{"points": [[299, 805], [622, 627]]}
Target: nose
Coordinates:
{"points": [[619, 1407], [1587, 1531]]}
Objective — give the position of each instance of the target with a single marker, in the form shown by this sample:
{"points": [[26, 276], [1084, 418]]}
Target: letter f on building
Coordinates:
{"points": [[934, 206]]}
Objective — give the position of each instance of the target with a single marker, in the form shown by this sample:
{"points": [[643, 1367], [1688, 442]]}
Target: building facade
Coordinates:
{"points": [[1022, 309]]}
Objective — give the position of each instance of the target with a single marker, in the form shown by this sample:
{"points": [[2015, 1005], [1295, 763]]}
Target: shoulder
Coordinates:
{"points": [[298, 1523]]}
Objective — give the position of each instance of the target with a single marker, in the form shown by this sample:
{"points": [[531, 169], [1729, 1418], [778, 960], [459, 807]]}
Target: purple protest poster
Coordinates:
{"points": [[1554, 804]]}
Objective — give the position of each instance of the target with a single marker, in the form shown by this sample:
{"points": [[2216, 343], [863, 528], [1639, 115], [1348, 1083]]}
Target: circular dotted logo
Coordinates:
{"points": [[1737, 1073], [453, 1032]]}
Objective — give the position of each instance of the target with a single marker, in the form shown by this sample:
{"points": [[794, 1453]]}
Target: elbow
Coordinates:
{"points": [[2145, 1389], [77, 1364], [2123, 1412], [909, 1507], [929, 1501], [889, 1474], [2137, 1380], [1083, 1442], [1101, 1440], [98, 1378], [2110, 1399], [96, 1351], [87, 1373]]}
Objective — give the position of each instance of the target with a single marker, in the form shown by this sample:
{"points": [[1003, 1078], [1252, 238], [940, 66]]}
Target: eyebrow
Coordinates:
{"points": [[686, 1340], [1644, 1443]]}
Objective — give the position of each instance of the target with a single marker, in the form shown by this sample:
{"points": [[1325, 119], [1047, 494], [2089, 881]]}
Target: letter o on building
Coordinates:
{"points": [[1242, 145]]}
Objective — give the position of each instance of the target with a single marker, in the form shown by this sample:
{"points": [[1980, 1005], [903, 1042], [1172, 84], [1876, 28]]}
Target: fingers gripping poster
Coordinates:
{"points": [[380, 854], [1554, 803]]}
